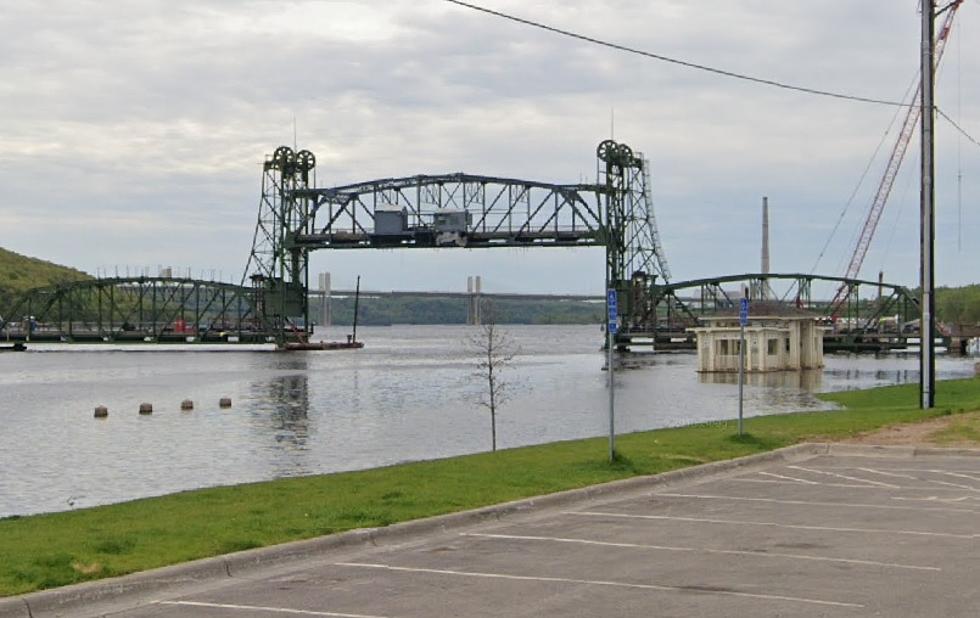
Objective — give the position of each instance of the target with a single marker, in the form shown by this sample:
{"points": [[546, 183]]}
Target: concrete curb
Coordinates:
{"points": [[911, 451], [138, 588]]}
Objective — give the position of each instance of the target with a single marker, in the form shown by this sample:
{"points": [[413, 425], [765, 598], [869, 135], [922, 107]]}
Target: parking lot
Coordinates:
{"points": [[829, 535]]}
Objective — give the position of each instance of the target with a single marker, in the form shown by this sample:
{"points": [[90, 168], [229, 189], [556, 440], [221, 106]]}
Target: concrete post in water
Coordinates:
{"points": [[101, 412], [477, 301], [187, 404], [224, 402], [473, 317], [146, 408]]}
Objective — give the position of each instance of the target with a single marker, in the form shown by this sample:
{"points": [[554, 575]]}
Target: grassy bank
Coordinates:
{"points": [[53, 550]]}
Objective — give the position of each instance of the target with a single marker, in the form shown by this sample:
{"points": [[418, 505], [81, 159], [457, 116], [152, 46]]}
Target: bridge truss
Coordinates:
{"points": [[451, 210], [142, 309], [884, 319]]}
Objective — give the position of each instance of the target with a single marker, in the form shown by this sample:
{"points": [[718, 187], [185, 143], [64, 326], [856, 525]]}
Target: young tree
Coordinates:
{"points": [[495, 350]]}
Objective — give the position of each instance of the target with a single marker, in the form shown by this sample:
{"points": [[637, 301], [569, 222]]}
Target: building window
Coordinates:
{"points": [[772, 346]]}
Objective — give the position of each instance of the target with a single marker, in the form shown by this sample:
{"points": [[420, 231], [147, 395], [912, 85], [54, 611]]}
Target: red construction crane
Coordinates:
{"points": [[912, 116]]}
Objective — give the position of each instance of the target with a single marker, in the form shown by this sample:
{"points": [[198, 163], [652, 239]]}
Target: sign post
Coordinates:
{"points": [[743, 320], [612, 325]]}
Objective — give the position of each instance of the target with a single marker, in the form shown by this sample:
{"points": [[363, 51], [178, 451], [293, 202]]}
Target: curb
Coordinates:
{"points": [[137, 588], [903, 451]]}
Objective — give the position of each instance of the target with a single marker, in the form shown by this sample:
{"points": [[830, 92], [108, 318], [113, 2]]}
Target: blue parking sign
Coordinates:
{"points": [[613, 307], [743, 312]]}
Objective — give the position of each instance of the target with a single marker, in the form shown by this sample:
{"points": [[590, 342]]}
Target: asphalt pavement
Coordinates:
{"points": [[850, 532]]}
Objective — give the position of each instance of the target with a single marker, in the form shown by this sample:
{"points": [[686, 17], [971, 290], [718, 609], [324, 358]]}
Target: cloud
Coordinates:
{"points": [[134, 131]]}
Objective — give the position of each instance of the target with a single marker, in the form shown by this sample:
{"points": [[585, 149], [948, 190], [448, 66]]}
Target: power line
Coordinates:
{"points": [[956, 126], [684, 63]]}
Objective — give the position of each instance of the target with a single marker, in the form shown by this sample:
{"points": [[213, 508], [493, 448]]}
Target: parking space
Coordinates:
{"points": [[826, 536]]}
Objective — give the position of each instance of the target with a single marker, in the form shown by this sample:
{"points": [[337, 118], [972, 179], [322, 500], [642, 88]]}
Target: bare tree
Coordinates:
{"points": [[495, 350]]}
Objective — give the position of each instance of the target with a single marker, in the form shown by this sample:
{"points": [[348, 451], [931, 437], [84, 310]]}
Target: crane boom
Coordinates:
{"points": [[912, 115]]}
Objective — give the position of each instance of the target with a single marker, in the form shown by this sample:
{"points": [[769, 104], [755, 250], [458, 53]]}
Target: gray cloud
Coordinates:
{"points": [[133, 131]]}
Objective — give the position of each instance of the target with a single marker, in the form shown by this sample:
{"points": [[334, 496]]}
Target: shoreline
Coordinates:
{"points": [[51, 550]]}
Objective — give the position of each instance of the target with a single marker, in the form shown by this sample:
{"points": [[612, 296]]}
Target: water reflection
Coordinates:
{"points": [[896, 376], [283, 404], [809, 380]]}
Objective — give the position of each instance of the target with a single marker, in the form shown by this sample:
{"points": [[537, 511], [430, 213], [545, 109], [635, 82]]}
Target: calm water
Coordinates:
{"points": [[410, 394]]}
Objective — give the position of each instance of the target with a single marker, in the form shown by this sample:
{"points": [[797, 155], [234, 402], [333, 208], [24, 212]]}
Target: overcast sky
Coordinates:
{"points": [[132, 132]]}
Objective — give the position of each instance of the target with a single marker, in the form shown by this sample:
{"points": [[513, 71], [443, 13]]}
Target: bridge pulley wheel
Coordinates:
{"points": [[607, 151], [305, 160], [283, 157], [625, 155]]}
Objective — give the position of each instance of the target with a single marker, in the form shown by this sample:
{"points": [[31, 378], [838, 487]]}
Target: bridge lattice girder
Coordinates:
{"points": [[450, 210], [134, 309], [501, 212], [708, 295]]}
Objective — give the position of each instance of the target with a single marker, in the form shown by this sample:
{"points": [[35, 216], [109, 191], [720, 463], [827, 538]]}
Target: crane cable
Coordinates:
{"points": [[863, 177]]}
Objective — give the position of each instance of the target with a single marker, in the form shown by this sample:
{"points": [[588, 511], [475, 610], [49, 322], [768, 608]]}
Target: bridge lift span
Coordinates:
{"points": [[453, 210]]}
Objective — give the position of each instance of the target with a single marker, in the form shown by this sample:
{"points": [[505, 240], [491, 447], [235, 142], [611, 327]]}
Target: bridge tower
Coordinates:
{"points": [[278, 267], [634, 257]]}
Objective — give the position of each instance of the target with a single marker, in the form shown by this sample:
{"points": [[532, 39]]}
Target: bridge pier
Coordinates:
{"points": [[473, 285], [326, 308]]}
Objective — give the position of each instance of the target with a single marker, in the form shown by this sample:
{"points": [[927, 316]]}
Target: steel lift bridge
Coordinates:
{"points": [[453, 210], [295, 217]]}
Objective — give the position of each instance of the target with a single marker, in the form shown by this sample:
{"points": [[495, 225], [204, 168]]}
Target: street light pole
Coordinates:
{"points": [[927, 338]]}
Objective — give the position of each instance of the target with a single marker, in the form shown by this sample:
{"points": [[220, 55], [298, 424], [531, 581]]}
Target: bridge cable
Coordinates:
{"points": [[902, 202], [684, 63]]}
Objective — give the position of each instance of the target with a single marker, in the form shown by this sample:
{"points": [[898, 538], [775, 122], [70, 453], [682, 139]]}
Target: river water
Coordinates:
{"points": [[410, 394]]}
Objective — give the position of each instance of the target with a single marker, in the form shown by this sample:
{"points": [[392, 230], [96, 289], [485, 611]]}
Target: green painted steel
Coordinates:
{"points": [[139, 309]]}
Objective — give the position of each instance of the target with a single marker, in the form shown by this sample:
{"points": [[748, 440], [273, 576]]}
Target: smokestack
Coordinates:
{"points": [[765, 235]]}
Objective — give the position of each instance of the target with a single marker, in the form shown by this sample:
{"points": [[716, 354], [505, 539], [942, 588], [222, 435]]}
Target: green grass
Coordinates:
{"points": [[52, 550]]}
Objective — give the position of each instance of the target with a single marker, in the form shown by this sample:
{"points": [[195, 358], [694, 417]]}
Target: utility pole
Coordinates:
{"points": [[927, 354]]}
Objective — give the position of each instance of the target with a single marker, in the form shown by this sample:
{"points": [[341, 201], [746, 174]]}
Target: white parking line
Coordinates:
{"points": [[599, 582], [844, 476], [770, 524], [950, 486], [790, 478], [956, 485], [743, 480], [900, 469], [957, 474], [937, 499], [272, 610], [734, 552], [830, 504], [891, 474]]}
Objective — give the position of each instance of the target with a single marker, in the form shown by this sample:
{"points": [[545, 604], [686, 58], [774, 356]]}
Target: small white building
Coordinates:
{"points": [[772, 343]]}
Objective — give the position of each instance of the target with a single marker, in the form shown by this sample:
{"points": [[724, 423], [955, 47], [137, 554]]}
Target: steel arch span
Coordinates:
{"points": [[882, 319]]}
